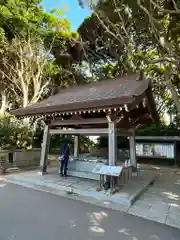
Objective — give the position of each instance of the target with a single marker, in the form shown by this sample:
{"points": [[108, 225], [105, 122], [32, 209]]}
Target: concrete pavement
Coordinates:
{"points": [[161, 202], [27, 214], [83, 187]]}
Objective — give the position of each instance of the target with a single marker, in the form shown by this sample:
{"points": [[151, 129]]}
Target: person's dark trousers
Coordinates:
{"points": [[64, 164], [62, 167]]}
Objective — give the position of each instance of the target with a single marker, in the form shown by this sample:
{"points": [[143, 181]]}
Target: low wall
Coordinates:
{"points": [[5, 159], [24, 158], [4, 156]]}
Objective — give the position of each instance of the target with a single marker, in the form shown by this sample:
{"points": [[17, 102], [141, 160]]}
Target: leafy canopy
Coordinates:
{"points": [[125, 36], [19, 17]]}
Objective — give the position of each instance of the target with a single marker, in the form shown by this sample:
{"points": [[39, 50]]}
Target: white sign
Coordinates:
{"points": [[108, 170], [156, 150]]}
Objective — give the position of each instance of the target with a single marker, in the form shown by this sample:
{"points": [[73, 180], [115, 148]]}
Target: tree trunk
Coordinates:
{"points": [[25, 98], [173, 91], [4, 103]]}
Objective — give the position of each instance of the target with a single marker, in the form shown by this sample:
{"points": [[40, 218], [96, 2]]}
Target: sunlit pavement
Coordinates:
{"points": [[27, 214], [161, 202], [85, 188]]}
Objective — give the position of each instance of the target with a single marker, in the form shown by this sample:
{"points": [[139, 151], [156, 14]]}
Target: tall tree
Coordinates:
{"points": [[37, 50], [123, 36], [26, 68], [28, 16]]}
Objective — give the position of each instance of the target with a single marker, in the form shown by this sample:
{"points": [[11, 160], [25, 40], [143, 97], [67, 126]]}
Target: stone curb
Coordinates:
{"points": [[98, 196], [75, 194], [136, 195], [24, 181]]}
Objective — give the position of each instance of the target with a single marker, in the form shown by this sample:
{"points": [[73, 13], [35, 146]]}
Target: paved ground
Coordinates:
{"points": [[26, 214], [86, 187], [161, 202]]}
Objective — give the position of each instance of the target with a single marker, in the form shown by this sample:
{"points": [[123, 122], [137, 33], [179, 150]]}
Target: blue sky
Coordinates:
{"points": [[74, 13]]}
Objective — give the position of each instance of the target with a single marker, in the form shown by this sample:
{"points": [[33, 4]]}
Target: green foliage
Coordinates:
{"points": [[24, 16], [37, 53], [2, 34], [122, 142], [34, 52], [13, 134], [88, 3], [127, 36], [162, 130], [147, 130], [37, 137], [85, 143]]}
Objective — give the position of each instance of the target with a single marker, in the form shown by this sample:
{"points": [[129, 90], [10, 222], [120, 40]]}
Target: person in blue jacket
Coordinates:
{"points": [[64, 153]]}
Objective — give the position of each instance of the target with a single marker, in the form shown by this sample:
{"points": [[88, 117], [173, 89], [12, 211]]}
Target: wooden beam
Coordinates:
{"points": [[112, 143], [76, 117], [132, 144], [136, 113], [76, 146], [136, 102], [88, 131], [81, 121], [45, 149], [129, 122]]}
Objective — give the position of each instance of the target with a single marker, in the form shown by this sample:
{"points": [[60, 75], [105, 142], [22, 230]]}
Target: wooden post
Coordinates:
{"points": [[76, 146], [45, 149], [175, 153], [112, 143], [132, 144]]}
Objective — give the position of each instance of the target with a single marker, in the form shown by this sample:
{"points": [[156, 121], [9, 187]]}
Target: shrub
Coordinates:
{"points": [[14, 134]]}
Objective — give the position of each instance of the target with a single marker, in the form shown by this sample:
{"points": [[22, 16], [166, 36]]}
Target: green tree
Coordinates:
{"points": [[125, 36], [13, 133], [24, 18], [26, 68], [35, 53], [28, 16]]}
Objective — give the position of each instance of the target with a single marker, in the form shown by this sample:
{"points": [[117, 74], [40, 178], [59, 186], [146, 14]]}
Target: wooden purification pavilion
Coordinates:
{"points": [[111, 107]]}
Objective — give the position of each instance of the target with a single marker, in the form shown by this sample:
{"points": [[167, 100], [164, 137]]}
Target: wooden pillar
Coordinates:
{"points": [[76, 146], [45, 149], [112, 146], [132, 144]]}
